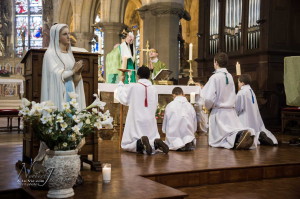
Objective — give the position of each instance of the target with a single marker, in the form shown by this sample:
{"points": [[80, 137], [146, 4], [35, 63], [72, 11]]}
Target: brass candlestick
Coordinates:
{"points": [[191, 81]]}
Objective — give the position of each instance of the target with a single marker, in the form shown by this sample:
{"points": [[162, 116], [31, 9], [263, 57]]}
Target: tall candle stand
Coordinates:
{"points": [[191, 81], [121, 109]]}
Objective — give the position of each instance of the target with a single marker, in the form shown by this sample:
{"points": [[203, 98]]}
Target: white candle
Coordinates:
{"points": [[192, 97], [106, 173], [116, 97], [191, 52], [238, 68]]}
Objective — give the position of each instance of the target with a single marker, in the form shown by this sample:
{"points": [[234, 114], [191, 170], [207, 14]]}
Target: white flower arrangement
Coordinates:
{"points": [[63, 130]]}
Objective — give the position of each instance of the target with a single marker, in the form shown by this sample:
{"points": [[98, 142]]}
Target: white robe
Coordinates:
{"points": [[224, 123], [140, 120], [202, 117], [180, 123], [248, 112], [57, 67], [126, 52]]}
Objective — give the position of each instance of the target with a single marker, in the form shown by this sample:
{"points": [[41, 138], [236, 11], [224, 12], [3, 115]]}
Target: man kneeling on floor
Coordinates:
{"points": [[180, 123], [140, 132], [225, 128]]}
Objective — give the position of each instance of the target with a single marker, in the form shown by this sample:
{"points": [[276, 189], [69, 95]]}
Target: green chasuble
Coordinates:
{"points": [[157, 67], [112, 63]]}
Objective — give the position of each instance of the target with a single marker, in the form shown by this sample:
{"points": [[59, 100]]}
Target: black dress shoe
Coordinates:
{"points": [[139, 147], [243, 140], [146, 145], [159, 144], [189, 146], [264, 139]]}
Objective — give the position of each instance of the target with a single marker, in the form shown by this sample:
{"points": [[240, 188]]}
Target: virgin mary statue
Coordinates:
{"points": [[61, 74]]}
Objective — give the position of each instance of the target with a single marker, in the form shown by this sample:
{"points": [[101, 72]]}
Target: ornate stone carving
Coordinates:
{"points": [[65, 166], [162, 9]]}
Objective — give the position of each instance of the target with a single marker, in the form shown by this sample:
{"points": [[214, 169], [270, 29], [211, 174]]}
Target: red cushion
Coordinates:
{"points": [[9, 111], [294, 109]]}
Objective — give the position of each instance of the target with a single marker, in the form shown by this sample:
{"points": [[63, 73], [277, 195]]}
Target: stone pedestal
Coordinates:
{"points": [[161, 28]]}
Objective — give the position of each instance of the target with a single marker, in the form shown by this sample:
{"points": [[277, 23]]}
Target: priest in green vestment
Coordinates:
{"points": [[128, 54], [113, 62], [155, 65], [122, 56]]}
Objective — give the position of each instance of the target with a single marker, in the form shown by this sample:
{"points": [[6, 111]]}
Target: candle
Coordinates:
{"points": [[106, 172], [116, 97], [192, 97], [191, 52], [238, 68]]}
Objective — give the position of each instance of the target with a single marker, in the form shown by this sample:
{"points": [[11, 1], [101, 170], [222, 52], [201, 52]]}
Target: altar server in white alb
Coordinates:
{"points": [[180, 123], [248, 112], [225, 128], [140, 132]]}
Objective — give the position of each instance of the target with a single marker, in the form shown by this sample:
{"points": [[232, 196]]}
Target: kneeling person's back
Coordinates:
{"points": [[180, 123]]}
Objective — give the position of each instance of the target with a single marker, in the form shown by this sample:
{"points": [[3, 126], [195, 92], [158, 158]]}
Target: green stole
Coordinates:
{"points": [[131, 66]]}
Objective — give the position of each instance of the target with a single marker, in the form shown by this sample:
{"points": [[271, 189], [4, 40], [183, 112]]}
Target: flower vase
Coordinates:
{"points": [[65, 167]]}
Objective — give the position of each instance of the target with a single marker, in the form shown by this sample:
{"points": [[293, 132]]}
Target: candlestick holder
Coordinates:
{"points": [[191, 81]]}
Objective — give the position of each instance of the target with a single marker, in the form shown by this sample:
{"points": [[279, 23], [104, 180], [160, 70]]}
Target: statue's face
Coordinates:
{"points": [[64, 36]]}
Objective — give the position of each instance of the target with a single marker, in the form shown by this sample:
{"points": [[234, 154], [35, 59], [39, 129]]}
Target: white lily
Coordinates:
{"points": [[96, 103], [25, 102], [65, 105], [63, 126], [108, 123], [98, 125]]}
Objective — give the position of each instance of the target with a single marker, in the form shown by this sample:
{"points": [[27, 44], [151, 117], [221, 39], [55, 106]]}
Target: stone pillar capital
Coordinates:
{"points": [[111, 26], [163, 8]]}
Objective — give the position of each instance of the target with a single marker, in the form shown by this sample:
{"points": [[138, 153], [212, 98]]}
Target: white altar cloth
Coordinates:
{"points": [[13, 81], [161, 89]]}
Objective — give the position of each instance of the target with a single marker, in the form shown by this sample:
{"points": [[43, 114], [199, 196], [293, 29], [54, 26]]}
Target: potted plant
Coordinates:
{"points": [[63, 132]]}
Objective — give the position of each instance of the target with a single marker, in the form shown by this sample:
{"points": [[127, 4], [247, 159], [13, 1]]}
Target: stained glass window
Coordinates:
{"points": [[137, 47], [97, 45], [29, 25]]}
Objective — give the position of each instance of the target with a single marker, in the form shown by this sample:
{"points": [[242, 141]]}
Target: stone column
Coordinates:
{"points": [[83, 40], [112, 32], [112, 37], [161, 28]]}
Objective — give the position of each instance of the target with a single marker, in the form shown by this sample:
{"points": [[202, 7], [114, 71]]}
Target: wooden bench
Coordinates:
{"points": [[10, 114]]}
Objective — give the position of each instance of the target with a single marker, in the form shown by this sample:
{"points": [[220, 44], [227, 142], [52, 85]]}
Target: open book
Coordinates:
{"points": [[163, 74]]}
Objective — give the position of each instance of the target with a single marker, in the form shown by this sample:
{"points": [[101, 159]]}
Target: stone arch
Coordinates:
{"points": [[64, 10], [131, 15]]}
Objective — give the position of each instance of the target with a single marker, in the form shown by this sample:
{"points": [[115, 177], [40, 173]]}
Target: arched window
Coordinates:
{"points": [[97, 45], [29, 24]]}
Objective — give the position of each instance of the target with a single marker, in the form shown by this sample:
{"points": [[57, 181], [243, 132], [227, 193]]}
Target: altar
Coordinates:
{"points": [[106, 93], [11, 87]]}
